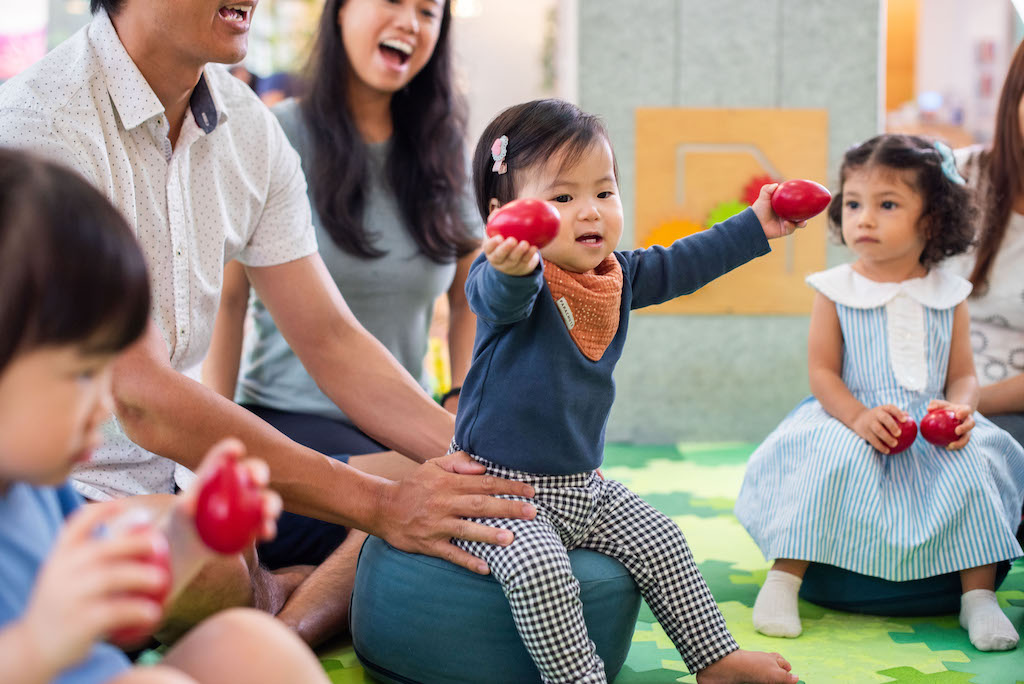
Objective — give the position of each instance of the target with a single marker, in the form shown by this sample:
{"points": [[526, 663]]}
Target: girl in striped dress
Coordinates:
{"points": [[889, 339]]}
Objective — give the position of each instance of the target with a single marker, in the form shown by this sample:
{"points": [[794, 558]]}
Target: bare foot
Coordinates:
{"points": [[748, 667], [272, 588]]}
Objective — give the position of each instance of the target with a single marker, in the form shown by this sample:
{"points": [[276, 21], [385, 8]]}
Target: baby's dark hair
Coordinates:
{"points": [[71, 271], [949, 211], [536, 131]]}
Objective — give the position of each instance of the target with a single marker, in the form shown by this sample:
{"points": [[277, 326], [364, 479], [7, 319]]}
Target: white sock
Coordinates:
{"points": [[985, 622], [775, 610]]}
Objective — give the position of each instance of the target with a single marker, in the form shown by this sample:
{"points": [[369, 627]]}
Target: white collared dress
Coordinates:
{"points": [[814, 490]]}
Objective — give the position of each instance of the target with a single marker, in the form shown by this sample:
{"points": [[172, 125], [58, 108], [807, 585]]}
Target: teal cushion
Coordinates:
{"points": [[839, 589], [421, 619]]}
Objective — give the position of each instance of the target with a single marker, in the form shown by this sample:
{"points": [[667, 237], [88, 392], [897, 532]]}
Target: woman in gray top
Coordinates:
{"points": [[381, 137]]}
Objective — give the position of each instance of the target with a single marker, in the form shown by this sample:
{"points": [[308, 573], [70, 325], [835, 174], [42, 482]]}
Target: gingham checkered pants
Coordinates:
{"points": [[585, 511]]}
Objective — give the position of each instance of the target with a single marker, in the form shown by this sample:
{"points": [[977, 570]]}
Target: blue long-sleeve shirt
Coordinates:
{"points": [[531, 400]]}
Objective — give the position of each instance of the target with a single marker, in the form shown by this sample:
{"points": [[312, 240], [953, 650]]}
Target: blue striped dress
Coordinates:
{"points": [[814, 490]]}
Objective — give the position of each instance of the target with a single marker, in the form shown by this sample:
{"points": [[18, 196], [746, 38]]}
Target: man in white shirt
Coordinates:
{"points": [[204, 173]]}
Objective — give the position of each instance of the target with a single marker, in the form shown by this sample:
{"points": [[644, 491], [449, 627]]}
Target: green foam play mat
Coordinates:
{"points": [[696, 484]]}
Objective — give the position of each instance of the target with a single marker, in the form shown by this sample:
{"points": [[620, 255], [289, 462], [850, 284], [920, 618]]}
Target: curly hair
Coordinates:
{"points": [[949, 211]]}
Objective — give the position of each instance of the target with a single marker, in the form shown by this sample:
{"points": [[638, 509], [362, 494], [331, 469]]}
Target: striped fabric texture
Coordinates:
{"points": [[814, 490]]}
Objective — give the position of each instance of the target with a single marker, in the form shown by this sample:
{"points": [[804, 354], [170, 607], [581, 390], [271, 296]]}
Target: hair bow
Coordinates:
{"points": [[949, 163]]}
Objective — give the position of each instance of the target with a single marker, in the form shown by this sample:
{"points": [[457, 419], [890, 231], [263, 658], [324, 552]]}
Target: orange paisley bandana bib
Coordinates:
{"points": [[589, 303]]}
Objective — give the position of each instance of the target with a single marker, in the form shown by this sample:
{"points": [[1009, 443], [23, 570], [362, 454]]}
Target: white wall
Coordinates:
{"points": [[500, 52], [948, 35]]}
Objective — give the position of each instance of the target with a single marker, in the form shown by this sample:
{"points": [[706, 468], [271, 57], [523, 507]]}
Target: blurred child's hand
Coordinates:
{"points": [[510, 257], [964, 414], [188, 553], [879, 426], [91, 586], [771, 224], [233, 449]]}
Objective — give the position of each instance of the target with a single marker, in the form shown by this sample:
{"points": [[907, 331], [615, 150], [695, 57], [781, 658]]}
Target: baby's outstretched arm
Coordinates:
{"points": [[876, 424], [962, 391]]}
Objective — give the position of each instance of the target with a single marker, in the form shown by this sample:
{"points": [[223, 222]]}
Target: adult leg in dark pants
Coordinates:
{"points": [[322, 554]]}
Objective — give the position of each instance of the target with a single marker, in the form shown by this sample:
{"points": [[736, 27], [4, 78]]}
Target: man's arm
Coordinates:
{"points": [[348, 364], [169, 414]]}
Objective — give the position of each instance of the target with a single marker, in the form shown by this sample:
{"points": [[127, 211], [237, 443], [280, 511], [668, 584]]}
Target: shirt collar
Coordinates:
{"points": [[130, 93], [940, 289]]}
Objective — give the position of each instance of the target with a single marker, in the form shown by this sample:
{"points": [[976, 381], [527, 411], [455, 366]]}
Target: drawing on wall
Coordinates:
{"points": [[697, 167]]}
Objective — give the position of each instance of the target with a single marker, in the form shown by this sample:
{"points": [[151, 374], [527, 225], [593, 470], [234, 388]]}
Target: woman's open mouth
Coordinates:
{"points": [[395, 52]]}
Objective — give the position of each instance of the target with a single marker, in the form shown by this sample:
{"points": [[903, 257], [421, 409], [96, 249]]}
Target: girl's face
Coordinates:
{"points": [[587, 197], [52, 403], [388, 42], [882, 216]]}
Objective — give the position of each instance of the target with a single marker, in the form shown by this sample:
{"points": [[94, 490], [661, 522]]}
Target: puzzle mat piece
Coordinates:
{"points": [[709, 484], [908, 675], [984, 668], [835, 647]]}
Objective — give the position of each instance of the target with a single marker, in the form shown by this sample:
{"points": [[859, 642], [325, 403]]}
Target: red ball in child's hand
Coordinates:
{"points": [[533, 220], [908, 433], [160, 556], [798, 200], [939, 427], [229, 509]]}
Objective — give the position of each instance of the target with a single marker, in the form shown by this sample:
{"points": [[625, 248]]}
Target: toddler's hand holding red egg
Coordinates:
{"points": [[138, 520], [233, 508], [783, 207], [516, 232], [940, 424], [798, 200], [532, 220], [908, 433], [878, 427]]}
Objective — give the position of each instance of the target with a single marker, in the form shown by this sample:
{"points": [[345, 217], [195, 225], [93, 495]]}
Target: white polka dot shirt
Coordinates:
{"points": [[231, 187]]}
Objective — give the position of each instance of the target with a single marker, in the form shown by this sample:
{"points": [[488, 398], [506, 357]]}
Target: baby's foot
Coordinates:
{"points": [[985, 622], [748, 667], [775, 610]]}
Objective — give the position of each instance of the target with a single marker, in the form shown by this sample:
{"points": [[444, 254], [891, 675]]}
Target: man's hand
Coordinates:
{"points": [[422, 512]]}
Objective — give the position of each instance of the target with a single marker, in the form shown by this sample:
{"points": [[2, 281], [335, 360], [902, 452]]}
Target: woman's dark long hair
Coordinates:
{"points": [[426, 166], [1002, 173]]}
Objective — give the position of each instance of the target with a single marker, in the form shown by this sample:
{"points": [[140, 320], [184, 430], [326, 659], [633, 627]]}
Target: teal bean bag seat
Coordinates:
{"points": [[839, 589], [421, 619]]}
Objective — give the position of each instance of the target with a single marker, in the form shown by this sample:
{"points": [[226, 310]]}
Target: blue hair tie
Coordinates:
{"points": [[949, 163]]}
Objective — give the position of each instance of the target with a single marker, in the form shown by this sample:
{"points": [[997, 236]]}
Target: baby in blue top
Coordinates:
{"points": [[72, 579], [550, 328]]}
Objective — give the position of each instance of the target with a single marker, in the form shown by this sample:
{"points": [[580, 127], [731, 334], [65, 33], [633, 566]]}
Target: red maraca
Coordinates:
{"points": [[528, 219], [229, 509], [160, 556], [939, 427], [799, 200], [908, 433]]}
